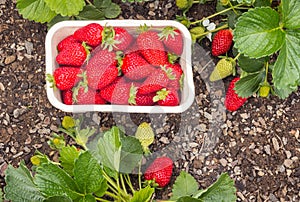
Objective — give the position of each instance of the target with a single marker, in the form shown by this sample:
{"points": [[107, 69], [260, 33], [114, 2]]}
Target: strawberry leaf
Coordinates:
{"points": [[68, 155], [291, 13], [90, 12], [263, 39], [20, 185], [251, 65], [286, 72], [58, 198], [144, 194], [1, 195], [249, 84], [222, 190], [36, 10], [188, 199], [185, 185], [112, 11], [66, 7]]}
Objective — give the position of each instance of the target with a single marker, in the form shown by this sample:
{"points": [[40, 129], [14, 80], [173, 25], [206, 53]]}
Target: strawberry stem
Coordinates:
{"points": [[216, 14], [236, 57], [211, 31], [267, 69]]}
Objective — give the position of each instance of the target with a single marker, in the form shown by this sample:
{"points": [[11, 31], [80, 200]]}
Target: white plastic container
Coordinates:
{"points": [[62, 29]]}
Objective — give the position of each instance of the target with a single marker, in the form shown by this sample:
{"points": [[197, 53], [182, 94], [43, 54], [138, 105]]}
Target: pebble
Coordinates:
{"points": [[2, 88], [275, 144], [288, 163], [267, 149], [223, 162], [164, 140], [18, 112], [29, 47], [9, 59]]}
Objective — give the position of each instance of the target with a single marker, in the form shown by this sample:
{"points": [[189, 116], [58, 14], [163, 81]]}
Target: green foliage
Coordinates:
{"points": [[274, 33], [144, 194], [67, 158], [251, 65], [185, 185], [1, 195], [53, 11]]}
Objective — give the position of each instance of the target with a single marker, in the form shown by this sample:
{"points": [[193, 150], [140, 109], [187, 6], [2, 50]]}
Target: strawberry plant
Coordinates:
{"points": [[53, 11], [98, 168]]}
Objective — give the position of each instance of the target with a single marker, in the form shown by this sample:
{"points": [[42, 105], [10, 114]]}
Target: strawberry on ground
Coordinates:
{"points": [[75, 54], [154, 82], [115, 38], [91, 34], [172, 39], [222, 42], [65, 78], [167, 97], [152, 48], [135, 67], [160, 171], [101, 69], [232, 101], [66, 42]]}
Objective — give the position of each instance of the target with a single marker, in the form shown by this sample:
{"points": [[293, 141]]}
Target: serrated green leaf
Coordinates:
{"points": [[102, 3], [286, 72], [54, 181], [36, 10], [58, 198], [249, 84], [185, 185], [112, 11], [87, 198], [258, 33], [291, 13], [222, 190], [110, 149], [144, 195], [131, 154], [188, 199], [102, 189], [261, 3], [251, 65], [20, 185], [90, 12], [87, 173], [68, 155], [1, 195], [66, 7]]}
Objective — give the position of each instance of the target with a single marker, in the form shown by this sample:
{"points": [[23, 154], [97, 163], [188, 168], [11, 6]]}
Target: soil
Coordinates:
{"points": [[259, 145]]}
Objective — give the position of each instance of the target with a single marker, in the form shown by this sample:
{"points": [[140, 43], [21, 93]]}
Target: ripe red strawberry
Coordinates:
{"points": [[65, 78], [66, 42], [101, 69], [116, 38], [221, 42], [107, 91], [172, 39], [178, 73], [67, 97], [91, 34], [167, 97], [154, 82], [232, 101], [135, 67], [160, 170], [143, 100], [152, 48], [84, 95], [73, 55]]}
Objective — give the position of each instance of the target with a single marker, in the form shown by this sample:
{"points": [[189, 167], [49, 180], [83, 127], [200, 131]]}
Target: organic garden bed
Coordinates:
{"points": [[258, 145]]}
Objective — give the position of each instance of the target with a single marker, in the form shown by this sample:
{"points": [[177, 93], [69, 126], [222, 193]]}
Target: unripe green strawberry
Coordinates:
{"points": [[225, 67], [145, 135], [224, 2], [197, 32], [182, 4], [264, 89]]}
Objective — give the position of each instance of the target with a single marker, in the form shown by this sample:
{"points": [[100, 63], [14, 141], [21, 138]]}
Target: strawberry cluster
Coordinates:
{"points": [[111, 65]]}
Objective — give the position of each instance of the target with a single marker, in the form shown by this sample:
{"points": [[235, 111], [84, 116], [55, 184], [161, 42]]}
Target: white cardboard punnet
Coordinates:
{"points": [[62, 29]]}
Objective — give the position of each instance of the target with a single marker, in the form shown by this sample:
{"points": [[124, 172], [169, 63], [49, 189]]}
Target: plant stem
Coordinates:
{"points": [[123, 184], [211, 31], [89, 2], [115, 186], [100, 199], [267, 69], [140, 175], [127, 178], [215, 14], [236, 57], [111, 195]]}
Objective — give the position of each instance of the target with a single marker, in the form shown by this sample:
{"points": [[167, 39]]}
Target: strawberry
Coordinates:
{"points": [[144, 100], [74, 54], [160, 171], [135, 67], [107, 91], [66, 42], [166, 97], [145, 135], [264, 89], [123, 93], [67, 97], [91, 34], [225, 67], [65, 78], [154, 82], [172, 39], [83, 96], [221, 42], [101, 69], [152, 48], [116, 38], [176, 70], [232, 101]]}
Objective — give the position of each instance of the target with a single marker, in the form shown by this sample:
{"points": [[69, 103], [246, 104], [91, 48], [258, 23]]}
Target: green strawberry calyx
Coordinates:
{"points": [[108, 38], [169, 72], [161, 95], [51, 80], [132, 94], [167, 32]]}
